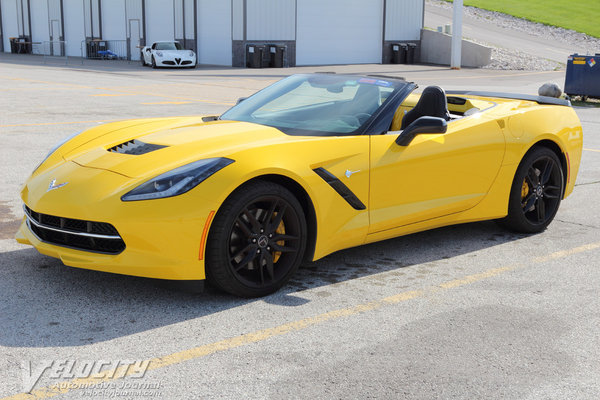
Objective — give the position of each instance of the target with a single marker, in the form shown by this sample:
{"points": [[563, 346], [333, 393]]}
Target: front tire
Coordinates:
{"points": [[257, 240], [536, 192], [154, 63]]}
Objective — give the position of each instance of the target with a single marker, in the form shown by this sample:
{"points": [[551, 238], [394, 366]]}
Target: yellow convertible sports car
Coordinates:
{"points": [[310, 165]]}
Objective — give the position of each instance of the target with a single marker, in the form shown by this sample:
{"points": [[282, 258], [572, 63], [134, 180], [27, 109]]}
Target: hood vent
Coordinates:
{"points": [[135, 147]]}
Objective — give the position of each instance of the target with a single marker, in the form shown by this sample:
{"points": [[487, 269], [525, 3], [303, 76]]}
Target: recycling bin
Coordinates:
{"points": [[277, 55], [254, 55], [410, 53], [399, 53]]}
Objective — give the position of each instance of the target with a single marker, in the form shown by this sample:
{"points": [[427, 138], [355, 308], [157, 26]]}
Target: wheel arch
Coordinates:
{"points": [[556, 148], [305, 201]]}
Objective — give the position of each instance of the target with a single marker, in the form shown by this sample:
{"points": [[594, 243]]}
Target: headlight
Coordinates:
{"points": [[177, 181], [159, 53], [191, 54], [56, 146]]}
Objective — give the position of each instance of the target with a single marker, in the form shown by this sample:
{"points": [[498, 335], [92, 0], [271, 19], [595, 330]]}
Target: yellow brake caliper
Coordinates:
{"points": [[281, 231], [524, 189]]}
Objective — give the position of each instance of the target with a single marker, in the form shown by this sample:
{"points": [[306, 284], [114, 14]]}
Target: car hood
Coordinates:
{"points": [[174, 53], [160, 145]]}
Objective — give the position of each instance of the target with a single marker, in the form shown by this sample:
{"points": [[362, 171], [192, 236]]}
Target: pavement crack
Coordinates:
{"points": [[587, 183], [577, 223]]}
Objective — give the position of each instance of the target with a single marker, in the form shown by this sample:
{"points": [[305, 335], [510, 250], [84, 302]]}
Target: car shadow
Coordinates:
{"points": [[426, 247], [46, 304]]}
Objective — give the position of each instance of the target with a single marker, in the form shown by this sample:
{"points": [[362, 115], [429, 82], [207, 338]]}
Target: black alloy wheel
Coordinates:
{"points": [[143, 61], [536, 192], [256, 241], [154, 63]]}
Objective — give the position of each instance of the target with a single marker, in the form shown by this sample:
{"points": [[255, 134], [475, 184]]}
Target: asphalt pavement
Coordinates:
{"points": [[463, 312]]}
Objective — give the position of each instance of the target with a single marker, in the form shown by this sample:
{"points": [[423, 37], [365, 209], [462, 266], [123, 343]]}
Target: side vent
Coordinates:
{"points": [[340, 188], [135, 148]]}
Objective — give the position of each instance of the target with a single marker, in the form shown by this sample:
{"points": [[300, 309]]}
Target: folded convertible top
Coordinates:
{"points": [[537, 99]]}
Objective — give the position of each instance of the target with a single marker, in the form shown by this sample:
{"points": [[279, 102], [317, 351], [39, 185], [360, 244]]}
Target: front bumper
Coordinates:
{"points": [[184, 62], [162, 237]]}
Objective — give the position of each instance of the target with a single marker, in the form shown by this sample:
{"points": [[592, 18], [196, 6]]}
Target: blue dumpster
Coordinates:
{"points": [[583, 76]]}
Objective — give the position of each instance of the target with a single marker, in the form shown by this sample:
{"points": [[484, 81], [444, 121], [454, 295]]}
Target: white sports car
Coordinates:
{"points": [[168, 54]]}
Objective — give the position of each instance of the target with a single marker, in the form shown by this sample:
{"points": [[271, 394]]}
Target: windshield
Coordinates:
{"points": [[317, 104], [168, 46]]}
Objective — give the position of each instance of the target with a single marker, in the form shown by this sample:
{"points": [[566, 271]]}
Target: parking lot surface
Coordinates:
{"points": [[463, 312]]}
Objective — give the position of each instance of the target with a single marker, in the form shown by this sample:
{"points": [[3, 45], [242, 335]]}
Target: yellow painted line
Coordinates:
{"points": [[234, 85], [565, 253], [294, 326], [45, 82], [58, 123], [169, 102], [166, 96], [477, 277], [192, 100], [37, 89], [492, 76], [594, 150], [122, 91], [111, 94]]}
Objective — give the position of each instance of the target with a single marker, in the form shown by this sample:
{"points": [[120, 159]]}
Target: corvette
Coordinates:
{"points": [[167, 54], [312, 164]]}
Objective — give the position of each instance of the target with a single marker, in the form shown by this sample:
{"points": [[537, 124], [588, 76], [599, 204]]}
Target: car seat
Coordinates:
{"points": [[432, 104]]}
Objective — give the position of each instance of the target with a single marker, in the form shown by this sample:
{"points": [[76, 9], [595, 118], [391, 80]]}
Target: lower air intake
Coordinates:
{"points": [[98, 237]]}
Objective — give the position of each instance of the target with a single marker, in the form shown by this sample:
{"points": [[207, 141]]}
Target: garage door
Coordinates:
{"points": [[339, 32]]}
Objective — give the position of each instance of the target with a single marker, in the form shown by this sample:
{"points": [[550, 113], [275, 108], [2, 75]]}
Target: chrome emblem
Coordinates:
{"points": [[53, 185], [349, 173], [263, 241], [539, 191]]}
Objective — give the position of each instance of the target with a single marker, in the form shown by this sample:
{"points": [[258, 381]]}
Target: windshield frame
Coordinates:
{"points": [[378, 123]]}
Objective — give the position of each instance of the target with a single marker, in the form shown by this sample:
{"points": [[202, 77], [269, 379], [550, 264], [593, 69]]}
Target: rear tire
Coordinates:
{"points": [[257, 240], [142, 59], [536, 192]]}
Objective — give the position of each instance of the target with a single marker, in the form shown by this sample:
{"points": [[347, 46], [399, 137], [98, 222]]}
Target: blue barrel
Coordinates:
{"points": [[583, 76]]}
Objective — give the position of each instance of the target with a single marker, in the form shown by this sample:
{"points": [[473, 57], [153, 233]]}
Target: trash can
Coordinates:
{"points": [[410, 53], [277, 55], [254, 56], [95, 46], [399, 53], [20, 45], [13, 44], [583, 76], [91, 49]]}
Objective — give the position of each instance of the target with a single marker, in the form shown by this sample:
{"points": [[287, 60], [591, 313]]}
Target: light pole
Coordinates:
{"points": [[455, 57]]}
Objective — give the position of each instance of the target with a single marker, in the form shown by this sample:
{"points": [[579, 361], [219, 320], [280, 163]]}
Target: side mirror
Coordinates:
{"points": [[240, 100], [419, 126]]}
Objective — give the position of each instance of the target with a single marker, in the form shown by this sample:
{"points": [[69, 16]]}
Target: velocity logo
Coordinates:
{"points": [[73, 369]]}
